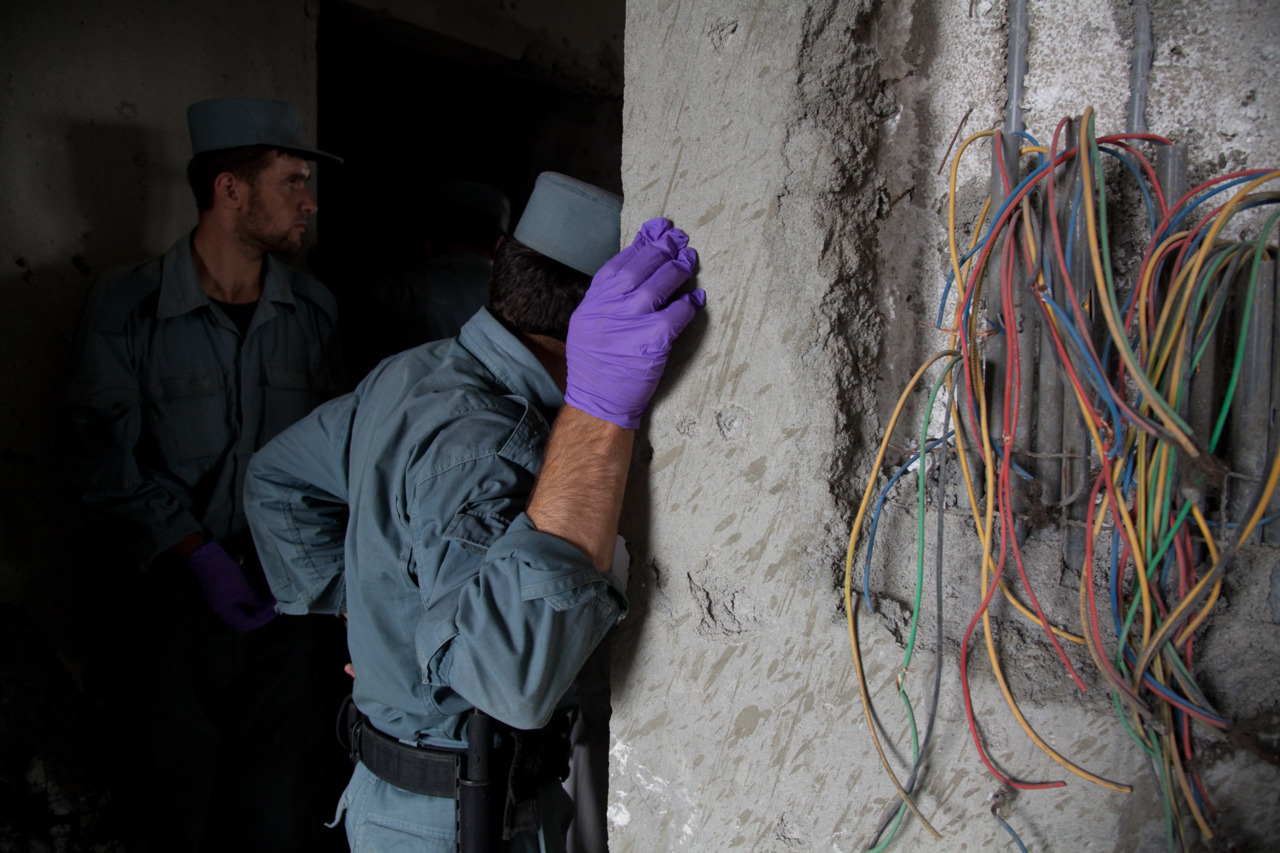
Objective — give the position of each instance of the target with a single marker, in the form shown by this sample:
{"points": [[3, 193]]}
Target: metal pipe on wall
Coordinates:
{"points": [[1139, 69], [1271, 533], [1075, 438], [1251, 406]]}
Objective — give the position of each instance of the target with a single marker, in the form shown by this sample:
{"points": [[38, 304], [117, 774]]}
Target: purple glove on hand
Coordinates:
{"points": [[227, 591], [621, 334]]}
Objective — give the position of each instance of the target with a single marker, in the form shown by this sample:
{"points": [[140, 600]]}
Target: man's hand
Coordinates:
{"points": [[621, 334], [228, 593], [618, 343]]}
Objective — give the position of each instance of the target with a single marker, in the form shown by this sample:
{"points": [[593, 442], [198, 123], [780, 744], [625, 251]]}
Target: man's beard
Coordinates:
{"points": [[253, 231]]}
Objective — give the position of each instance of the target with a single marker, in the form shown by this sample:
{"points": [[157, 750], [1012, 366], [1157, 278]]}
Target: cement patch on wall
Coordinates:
{"points": [[800, 145]]}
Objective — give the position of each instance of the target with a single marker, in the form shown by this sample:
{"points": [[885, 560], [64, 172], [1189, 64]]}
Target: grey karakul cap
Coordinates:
{"points": [[239, 122], [576, 223], [489, 202]]}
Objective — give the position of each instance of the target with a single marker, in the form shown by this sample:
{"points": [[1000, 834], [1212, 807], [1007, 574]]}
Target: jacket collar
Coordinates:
{"points": [[506, 358], [181, 291]]}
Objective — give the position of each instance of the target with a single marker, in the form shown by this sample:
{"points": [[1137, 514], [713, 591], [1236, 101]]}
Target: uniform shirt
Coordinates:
{"points": [[402, 504], [169, 400], [430, 302]]}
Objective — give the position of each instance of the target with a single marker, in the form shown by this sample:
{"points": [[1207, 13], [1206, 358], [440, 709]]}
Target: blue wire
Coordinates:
{"points": [[1171, 697], [1234, 525], [1009, 829], [1196, 203], [946, 290], [1093, 374], [1032, 140], [875, 519], [1017, 469], [1027, 136], [1032, 177], [1142, 184], [1071, 226]]}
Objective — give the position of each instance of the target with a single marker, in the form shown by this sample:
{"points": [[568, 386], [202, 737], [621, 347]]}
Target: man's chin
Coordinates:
{"points": [[287, 246]]}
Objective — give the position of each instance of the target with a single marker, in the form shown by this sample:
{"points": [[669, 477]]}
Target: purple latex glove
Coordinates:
{"points": [[621, 334], [227, 591]]}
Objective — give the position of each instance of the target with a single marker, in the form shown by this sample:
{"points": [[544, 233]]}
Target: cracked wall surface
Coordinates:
{"points": [[802, 146]]}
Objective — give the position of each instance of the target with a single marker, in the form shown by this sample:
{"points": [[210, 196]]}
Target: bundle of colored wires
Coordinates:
{"points": [[1131, 351]]}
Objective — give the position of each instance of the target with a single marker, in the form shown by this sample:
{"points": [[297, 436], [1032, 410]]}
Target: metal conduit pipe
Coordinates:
{"points": [[1139, 69], [1251, 406], [1171, 172], [1016, 68], [1047, 437], [1270, 269], [1004, 176], [1075, 437], [1004, 172]]}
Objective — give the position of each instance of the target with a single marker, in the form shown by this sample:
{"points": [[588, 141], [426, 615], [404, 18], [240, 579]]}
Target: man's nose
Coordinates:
{"points": [[308, 205]]}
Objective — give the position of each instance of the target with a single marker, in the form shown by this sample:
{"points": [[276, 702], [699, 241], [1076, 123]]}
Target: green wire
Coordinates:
{"points": [[1260, 245], [920, 480], [1154, 755], [1244, 323], [1122, 343], [915, 612]]}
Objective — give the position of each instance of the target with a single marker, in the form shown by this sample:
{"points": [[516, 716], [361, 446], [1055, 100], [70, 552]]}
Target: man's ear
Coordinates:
{"points": [[229, 191]]}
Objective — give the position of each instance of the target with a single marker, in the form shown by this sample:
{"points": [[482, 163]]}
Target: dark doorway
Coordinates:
{"points": [[409, 110]]}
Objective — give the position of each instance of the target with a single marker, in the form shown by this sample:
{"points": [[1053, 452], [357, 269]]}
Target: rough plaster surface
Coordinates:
{"points": [[799, 143]]}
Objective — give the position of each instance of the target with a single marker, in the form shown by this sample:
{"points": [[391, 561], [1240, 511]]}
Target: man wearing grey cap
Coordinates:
{"points": [[466, 221], [185, 364], [474, 546]]}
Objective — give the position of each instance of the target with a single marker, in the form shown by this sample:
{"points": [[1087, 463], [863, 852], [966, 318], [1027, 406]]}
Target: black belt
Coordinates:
{"points": [[432, 771], [495, 788]]}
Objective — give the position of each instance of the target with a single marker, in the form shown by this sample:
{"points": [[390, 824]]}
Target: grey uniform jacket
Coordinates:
{"points": [[168, 401]]}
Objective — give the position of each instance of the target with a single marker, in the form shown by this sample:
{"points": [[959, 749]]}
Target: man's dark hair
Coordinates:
{"points": [[532, 293], [245, 163]]}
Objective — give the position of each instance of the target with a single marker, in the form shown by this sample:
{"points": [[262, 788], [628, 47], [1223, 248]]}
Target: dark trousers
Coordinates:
{"points": [[218, 720]]}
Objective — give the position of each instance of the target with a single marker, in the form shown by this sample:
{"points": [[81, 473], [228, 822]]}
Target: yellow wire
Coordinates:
{"points": [[1192, 274], [1170, 421], [1212, 576], [985, 536], [951, 218], [1217, 587], [1145, 284], [848, 586], [984, 528]]}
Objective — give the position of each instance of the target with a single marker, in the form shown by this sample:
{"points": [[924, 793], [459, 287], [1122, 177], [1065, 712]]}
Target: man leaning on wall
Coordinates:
{"points": [[473, 546], [185, 364]]}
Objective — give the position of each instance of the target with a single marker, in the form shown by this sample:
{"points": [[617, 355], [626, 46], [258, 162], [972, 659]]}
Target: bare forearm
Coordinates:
{"points": [[578, 496]]}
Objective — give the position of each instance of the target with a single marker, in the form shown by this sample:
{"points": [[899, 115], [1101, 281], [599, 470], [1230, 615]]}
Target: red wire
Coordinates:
{"points": [[1087, 579], [1012, 397], [968, 698]]}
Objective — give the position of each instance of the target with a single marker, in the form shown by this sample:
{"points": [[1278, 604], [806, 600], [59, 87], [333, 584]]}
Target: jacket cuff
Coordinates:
{"points": [[551, 568]]}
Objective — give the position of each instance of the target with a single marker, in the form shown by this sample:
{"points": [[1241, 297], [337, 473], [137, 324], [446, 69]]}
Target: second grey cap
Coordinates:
{"points": [[571, 221], [490, 203]]}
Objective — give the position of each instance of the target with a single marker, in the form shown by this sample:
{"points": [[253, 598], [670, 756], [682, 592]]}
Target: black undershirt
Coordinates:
{"points": [[240, 313]]}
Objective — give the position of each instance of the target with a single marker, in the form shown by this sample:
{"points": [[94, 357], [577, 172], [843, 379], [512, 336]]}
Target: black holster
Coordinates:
{"points": [[481, 788]]}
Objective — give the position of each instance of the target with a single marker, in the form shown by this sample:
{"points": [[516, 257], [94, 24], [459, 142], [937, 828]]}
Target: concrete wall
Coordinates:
{"points": [[800, 143]]}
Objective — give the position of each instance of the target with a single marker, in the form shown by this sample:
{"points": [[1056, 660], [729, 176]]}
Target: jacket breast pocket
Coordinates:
{"points": [[292, 390], [187, 414]]}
